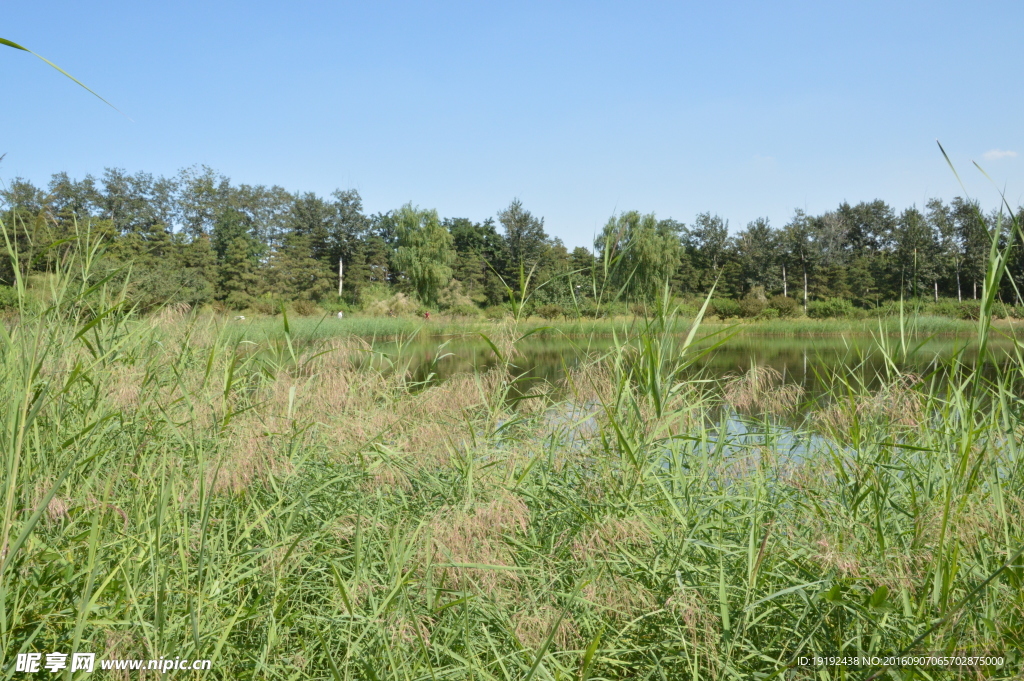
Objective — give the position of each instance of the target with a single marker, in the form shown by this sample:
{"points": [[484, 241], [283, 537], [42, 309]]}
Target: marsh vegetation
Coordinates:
{"points": [[309, 505]]}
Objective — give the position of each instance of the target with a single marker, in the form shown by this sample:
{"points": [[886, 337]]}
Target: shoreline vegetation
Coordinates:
{"points": [[387, 328], [183, 484], [197, 239]]}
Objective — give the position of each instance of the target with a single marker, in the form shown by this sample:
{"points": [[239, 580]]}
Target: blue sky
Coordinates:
{"points": [[580, 109]]}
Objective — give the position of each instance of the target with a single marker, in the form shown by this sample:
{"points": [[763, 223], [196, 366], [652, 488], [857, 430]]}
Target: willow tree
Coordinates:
{"points": [[642, 252], [424, 252]]}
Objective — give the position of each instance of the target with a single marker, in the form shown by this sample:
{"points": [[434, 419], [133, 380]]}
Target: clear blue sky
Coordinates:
{"points": [[580, 109]]}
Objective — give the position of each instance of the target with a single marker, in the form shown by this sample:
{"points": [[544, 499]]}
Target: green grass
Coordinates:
{"points": [[388, 328], [172, 487]]}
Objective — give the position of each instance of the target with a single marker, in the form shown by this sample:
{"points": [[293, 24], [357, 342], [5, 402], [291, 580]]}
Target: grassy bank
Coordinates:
{"points": [[388, 328], [172, 488]]}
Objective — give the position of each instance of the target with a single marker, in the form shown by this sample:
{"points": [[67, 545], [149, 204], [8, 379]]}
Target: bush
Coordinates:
{"points": [[615, 309], [265, 306], [945, 307], [724, 308], [304, 308], [751, 306], [589, 309], [238, 300], [334, 304], [497, 312], [640, 309], [466, 308], [768, 313], [8, 298], [969, 309], [785, 306], [839, 308], [395, 305], [453, 299], [550, 311]]}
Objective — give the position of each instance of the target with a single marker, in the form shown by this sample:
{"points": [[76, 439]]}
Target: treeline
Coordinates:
{"points": [[197, 238]]}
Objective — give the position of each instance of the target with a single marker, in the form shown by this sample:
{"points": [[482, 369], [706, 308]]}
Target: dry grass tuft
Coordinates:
{"points": [[700, 621], [591, 383], [388, 472], [533, 626], [467, 546], [611, 535], [619, 598], [171, 314], [897, 404], [759, 390], [249, 457], [126, 645], [410, 630], [58, 509], [398, 304]]}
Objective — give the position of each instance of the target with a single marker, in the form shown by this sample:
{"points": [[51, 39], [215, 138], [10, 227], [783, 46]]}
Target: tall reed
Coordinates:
{"points": [[172, 488]]}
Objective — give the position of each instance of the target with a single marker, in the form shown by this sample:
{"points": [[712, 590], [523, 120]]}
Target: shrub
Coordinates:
{"points": [[237, 300], [830, 307], [265, 306], [687, 308], [8, 298], [946, 307], [497, 312], [335, 304], [1001, 310], [590, 309], [640, 309], [725, 308], [751, 306], [454, 300], [969, 309], [395, 305], [615, 309], [768, 313], [550, 311], [784, 305], [466, 308], [304, 308]]}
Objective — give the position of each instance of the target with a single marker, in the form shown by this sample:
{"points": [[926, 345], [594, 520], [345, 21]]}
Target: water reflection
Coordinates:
{"points": [[811, 363]]}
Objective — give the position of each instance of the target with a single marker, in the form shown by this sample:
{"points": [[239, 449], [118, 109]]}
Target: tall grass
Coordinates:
{"points": [[404, 328], [173, 488]]}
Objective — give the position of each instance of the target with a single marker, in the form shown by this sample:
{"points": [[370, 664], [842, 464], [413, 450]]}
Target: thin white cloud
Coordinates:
{"points": [[996, 154]]}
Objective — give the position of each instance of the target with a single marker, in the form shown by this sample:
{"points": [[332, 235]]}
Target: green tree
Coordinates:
{"points": [[425, 252], [798, 251], [974, 240], [478, 252], [644, 250], [237, 253], [916, 255], [294, 273], [202, 195], [708, 244], [525, 239], [757, 247]]}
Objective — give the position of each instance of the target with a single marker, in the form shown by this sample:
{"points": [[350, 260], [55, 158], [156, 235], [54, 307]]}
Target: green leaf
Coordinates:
{"points": [[25, 49], [878, 598]]}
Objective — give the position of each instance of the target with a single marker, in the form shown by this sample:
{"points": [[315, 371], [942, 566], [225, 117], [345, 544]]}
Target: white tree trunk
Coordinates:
{"points": [[340, 279], [805, 289]]}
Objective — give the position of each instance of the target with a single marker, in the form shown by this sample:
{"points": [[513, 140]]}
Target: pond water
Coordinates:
{"points": [[806, 361], [810, 362]]}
